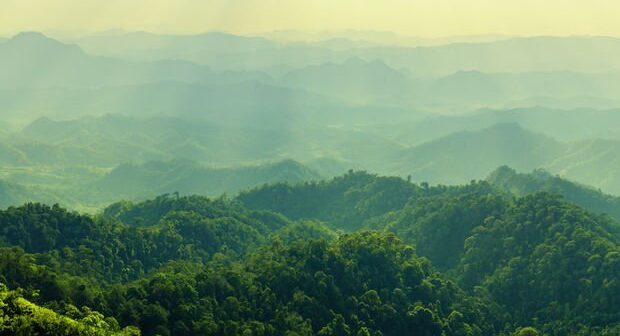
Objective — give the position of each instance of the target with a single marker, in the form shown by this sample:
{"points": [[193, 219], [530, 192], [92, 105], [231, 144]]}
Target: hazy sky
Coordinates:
{"points": [[411, 17]]}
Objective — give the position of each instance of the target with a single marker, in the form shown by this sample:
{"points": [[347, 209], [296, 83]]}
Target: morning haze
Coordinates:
{"points": [[288, 168], [407, 17]]}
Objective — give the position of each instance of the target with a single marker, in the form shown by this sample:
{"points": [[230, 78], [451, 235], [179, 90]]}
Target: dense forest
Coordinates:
{"points": [[359, 254]]}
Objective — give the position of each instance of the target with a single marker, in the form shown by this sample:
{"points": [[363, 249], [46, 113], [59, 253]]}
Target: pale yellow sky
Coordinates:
{"points": [[427, 18]]}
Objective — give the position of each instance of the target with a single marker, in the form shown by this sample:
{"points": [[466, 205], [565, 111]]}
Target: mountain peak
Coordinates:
{"points": [[32, 39], [31, 36]]}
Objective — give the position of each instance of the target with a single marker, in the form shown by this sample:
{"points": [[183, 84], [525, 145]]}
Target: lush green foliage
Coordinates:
{"points": [[165, 229], [360, 283], [541, 259], [548, 261], [192, 265], [21, 317], [346, 201], [439, 225]]}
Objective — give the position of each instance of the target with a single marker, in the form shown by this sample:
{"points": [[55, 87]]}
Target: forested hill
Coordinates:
{"points": [[201, 270], [349, 200], [536, 256], [356, 255]]}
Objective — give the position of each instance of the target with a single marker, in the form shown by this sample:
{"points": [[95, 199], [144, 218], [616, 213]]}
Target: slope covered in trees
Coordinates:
{"points": [[366, 282], [346, 201], [359, 284], [158, 231], [18, 316], [361, 255], [539, 257], [548, 261]]}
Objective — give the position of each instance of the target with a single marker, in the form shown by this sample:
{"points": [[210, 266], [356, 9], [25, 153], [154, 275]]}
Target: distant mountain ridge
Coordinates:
{"points": [[33, 60], [40, 76], [505, 54], [521, 54]]}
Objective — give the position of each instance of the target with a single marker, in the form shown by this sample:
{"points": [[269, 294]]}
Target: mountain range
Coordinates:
{"points": [[87, 114], [64, 80], [523, 54]]}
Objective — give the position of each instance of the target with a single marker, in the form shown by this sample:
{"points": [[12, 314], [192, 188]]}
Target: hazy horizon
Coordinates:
{"points": [[419, 18]]}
